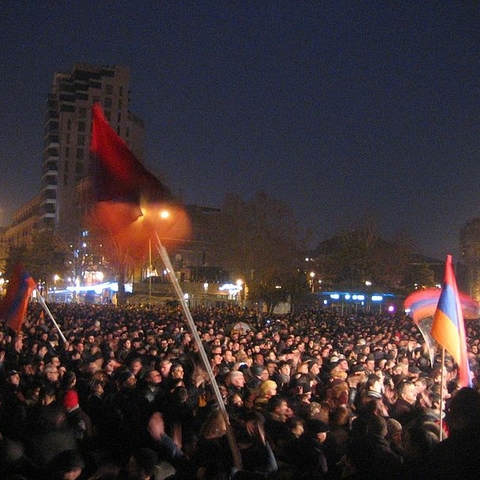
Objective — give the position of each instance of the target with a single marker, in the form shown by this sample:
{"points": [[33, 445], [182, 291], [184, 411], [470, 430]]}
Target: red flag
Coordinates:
{"points": [[129, 199], [120, 180], [448, 327], [14, 306]]}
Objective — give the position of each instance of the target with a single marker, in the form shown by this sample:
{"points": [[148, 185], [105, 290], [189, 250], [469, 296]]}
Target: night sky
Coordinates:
{"points": [[348, 111]]}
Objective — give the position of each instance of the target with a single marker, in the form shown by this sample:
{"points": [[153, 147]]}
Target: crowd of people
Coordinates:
{"points": [[308, 395]]}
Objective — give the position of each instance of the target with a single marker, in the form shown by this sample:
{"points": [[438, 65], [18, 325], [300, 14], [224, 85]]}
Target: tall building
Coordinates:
{"points": [[470, 258], [65, 160], [3, 250]]}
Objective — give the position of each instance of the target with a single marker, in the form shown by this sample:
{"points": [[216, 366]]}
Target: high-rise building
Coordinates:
{"points": [[470, 258], [65, 161], [3, 251]]}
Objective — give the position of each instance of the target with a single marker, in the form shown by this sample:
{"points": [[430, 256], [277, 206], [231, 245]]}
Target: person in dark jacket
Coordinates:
{"points": [[371, 455], [306, 454], [257, 456], [405, 409], [457, 456]]}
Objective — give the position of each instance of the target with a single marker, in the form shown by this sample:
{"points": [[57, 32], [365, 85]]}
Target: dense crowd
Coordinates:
{"points": [[309, 395]]}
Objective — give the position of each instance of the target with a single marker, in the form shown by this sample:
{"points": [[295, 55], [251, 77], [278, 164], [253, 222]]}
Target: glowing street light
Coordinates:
{"points": [[56, 278], [239, 284]]}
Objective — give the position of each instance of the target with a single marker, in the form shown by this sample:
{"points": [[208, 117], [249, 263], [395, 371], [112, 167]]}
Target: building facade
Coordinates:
{"points": [[24, 224], [3, 248], [470, 258], [65, 159]]}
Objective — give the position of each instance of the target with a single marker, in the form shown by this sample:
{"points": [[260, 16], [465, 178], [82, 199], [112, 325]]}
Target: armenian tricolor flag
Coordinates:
{"points": [[14, 305], [448, 327]]}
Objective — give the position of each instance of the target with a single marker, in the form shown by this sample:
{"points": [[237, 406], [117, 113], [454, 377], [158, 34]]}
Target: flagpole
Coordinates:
{"points": [[150, 271], [49, 313], [442, 385], [178, 290]]}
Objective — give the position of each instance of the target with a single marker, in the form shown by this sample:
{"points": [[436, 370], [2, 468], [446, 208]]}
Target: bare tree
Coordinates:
{"points": [[259, 240]]}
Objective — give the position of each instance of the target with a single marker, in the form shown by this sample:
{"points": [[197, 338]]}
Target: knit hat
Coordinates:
{"points": [[314, 426], [122, 376], [304, 387], [71, 399], [357, 368]]}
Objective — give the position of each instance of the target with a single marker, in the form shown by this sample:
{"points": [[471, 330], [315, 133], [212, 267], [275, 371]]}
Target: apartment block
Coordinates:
{"points": [[65, 159], [470, 258]]}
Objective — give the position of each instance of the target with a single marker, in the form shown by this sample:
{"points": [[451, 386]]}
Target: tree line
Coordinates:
{"points": [[260, 241]]}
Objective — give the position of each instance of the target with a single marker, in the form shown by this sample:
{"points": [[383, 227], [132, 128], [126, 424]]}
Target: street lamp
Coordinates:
{"points": [[239, 283], [368, 284], [312, 283]]}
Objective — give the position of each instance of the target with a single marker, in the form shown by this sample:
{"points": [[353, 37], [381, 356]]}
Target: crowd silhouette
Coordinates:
{"points": [[309, 395]]}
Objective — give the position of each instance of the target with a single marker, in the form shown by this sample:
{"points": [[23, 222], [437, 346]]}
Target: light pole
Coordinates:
{"points": [[239, 293], [312, 283], [368, 284], [150, 271]]}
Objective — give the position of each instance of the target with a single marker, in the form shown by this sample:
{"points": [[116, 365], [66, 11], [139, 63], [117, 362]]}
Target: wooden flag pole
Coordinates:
{"points": [[49, 313], [442, 386], [193, 329]]}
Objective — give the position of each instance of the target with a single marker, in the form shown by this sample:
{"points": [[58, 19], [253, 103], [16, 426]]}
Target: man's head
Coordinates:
{"points": [[407, 391], [377, 425], [370, 363], [236, 379], [125, 379], [142, 464], [153, 377], [165, 366], [316, 429], [464, 411], [13, 377], [176, 371], [260, 372], [52, 373], [135, 366], [271, 367], [278, 405], [217, 355], [374, 386], [284, 368]]}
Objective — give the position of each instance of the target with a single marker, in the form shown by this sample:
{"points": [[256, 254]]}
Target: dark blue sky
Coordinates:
{"points": [[345, 110]]}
